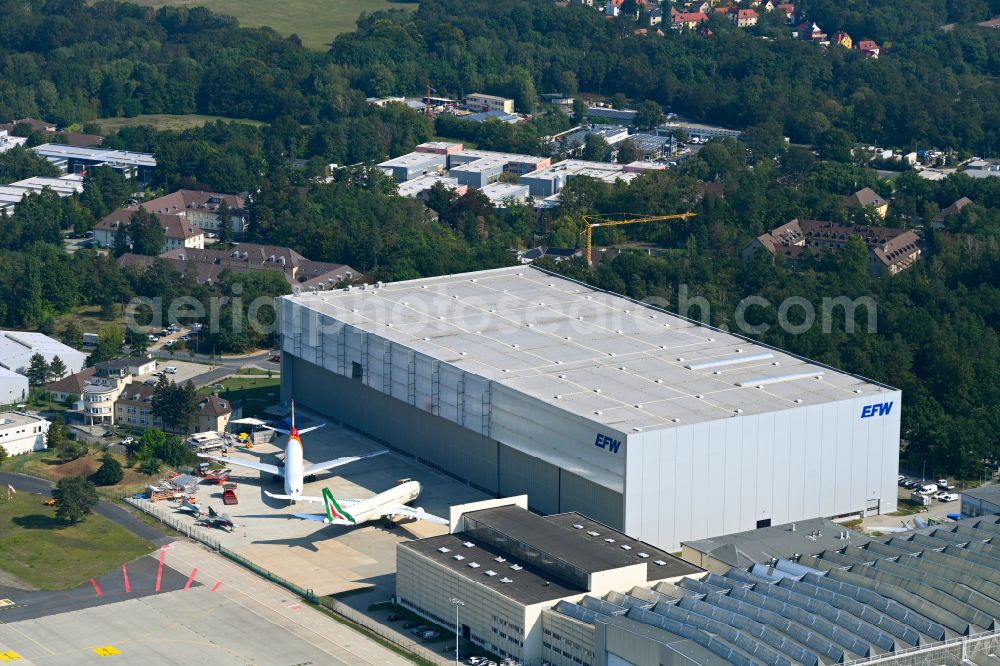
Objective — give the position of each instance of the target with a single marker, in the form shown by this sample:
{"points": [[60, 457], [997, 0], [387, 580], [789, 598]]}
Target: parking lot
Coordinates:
{"points": [[326, 559]]}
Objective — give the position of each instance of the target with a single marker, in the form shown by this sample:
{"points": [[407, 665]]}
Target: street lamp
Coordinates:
{"points": [[456, 602]]}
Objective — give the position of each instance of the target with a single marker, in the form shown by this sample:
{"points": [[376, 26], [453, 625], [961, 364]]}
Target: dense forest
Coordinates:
{"points": [[72, 62]]}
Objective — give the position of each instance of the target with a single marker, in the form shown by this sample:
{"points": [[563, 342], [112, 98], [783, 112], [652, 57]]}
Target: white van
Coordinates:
{"points": [[171, 370], [929, 489]]}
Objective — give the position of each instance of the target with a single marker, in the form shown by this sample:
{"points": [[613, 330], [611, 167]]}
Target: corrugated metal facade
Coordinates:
{"points": [[724, 476]]}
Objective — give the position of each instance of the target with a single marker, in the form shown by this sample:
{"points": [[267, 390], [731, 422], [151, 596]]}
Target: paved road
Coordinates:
{"points": [[112, 512], [228, 361]]}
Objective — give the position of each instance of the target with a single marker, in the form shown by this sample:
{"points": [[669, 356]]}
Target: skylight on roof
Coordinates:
{"points": [[659, 563], [474, 565], [499, 559], [490, 572], [468, 544], [506, 580], [578, 527], [593, 533], [459, 557], [516, 567], [444, 549]]}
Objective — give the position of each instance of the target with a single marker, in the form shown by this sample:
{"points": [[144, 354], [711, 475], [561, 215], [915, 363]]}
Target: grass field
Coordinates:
{"points": [[163, 121], [43, 551], [253, 394], [316, 22]]}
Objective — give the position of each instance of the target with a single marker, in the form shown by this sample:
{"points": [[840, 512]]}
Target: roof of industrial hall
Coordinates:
{"points": [[614, 360]]}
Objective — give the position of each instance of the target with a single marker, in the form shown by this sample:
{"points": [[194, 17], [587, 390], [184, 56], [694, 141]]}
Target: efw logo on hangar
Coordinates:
{"points": [[878, 409], [609, 443]]}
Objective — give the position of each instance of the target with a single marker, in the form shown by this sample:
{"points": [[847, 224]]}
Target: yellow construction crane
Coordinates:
{"points": [[591, 222]]}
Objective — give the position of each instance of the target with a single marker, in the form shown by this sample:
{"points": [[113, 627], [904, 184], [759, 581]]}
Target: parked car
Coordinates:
{"points": [[429, 635], [946, 497], [127, 441], [108, 433], [170, 370], [395, 617], [150, 382], [275, 359], [928, 489]]}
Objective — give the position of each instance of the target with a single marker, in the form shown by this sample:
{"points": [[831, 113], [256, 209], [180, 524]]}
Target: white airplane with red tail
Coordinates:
{"points": [[294, 470]]}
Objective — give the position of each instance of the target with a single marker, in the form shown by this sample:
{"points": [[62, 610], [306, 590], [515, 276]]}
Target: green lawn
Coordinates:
{"points": [[316, 22], [254, 394], [164, 121], [41, 550]]}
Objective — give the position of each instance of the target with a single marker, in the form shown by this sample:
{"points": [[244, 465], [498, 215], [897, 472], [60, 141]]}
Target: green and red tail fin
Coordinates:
{"points": [[333, 510]]}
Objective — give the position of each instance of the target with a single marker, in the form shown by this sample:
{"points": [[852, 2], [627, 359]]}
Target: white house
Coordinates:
{"points": [[22, 433]]}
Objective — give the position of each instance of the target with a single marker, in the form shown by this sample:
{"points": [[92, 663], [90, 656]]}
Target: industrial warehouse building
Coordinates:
{"points": [[920, 598], [16, 350], [519, 381]]}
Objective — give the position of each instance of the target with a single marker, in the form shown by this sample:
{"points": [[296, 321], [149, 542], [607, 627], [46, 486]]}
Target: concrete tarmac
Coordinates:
{"points": [[226, 616]]}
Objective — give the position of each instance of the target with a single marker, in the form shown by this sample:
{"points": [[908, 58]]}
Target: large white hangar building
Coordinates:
{"points": [[524, 382]]}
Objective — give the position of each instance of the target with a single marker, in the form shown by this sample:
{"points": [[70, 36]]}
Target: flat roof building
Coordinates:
{"points": [[482, 102], [500, 194], [413, 165], [418, 187], [507, 564], [64, 186], [550, 180], [517, 380], [78, 159], [22, 433]]}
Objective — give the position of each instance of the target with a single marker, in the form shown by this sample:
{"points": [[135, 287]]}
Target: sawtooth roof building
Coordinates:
{"points": [[519, 381]]}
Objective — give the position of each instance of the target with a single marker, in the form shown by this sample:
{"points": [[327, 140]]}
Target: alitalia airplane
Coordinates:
{"points": [[294, 469], [388, 504]]}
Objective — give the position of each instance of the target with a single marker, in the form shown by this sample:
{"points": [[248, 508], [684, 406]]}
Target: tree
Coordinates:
{"points": [[619, 101], [72, 335], [56, 369], [835, 145], [627, 151], [224, 215], [175, 405], [138, 342], [146, 233], [38, 370], [596, 149], [121, 243], [76, 497], [579, 111], [648, 115], [150, 466], [3, 454], [110, 471], [109, 346]]}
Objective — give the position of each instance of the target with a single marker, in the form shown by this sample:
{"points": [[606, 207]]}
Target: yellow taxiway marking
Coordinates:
{"points": [[107, 650], [10, 655]]}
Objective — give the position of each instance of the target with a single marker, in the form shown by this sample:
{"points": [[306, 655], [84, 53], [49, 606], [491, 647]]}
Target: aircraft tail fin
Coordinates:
{"points": [[333, 510]]}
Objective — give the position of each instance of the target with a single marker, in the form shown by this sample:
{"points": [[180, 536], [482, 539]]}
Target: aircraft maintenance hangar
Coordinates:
{"points": [[521, 381]]}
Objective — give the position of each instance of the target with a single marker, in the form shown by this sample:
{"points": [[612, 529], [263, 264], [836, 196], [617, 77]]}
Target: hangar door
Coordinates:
{"points": [[521, 474]]}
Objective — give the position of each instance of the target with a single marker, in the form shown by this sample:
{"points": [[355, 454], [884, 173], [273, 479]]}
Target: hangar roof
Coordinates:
{"points": [[617, 361]]}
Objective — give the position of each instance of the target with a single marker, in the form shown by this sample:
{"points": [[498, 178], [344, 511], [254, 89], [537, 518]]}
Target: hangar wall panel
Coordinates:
{"points": [[455, 450], [591, 499], [723, 476], [557, 436], [524, 474]]}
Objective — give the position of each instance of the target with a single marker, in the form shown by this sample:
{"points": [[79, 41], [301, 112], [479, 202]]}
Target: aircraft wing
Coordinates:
{"points": [[330, 464], [320, 518], [252, 464], [410, 512]]}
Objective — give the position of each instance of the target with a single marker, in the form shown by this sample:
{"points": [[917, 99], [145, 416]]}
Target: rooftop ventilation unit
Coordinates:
{"points": [[729, 360], [764, 381]]}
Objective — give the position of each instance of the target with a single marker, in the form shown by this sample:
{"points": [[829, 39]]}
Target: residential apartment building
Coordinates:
{"points": [[134, 409], [208, 265], [178, 231], [890, 250], [482, 102], [201, 208]]}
